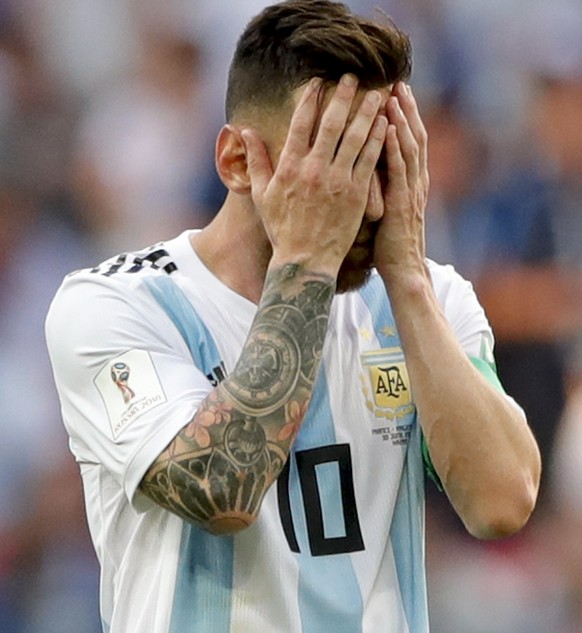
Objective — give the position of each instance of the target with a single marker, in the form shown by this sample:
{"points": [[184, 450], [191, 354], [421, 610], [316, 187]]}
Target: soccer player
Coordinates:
{"points": [[253, 405]]}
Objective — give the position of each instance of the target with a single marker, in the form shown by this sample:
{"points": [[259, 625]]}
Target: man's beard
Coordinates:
{"points": [[359, 262]]}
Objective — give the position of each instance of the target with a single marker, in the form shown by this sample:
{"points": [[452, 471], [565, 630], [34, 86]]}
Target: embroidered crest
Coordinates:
{"points": [[385, 383]]}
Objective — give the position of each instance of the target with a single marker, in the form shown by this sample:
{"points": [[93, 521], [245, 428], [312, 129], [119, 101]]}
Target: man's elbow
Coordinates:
{"points": [[503, 513], [218, 517], [229, 523]]}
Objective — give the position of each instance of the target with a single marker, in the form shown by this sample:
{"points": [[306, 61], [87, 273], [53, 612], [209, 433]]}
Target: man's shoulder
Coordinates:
{"points": [[91, 293], [153, 260], [444, 275], [125, 270], [453, 291]]}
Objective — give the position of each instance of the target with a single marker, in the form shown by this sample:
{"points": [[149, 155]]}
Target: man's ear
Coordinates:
{"points": [[231, 160]]}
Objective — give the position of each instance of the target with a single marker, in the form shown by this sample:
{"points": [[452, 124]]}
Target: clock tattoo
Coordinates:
{"points": [[312, 347], [267, 373], [218, 468]]}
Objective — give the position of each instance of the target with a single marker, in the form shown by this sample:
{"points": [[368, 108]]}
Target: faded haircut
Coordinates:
{"points": [[288, 43]]}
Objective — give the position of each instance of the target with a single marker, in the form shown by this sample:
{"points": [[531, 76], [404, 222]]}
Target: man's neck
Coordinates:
{"points": [[235, 249]]}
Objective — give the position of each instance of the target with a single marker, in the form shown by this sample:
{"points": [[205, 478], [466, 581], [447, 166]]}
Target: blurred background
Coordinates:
{"points": [[108, 114]]}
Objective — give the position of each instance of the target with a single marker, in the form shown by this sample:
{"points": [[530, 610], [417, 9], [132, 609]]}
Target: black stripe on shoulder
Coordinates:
{"points": [[155, 258]]}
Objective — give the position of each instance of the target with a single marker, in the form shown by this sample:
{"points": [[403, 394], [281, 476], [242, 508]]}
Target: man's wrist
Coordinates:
{"points": [[409, 278], [310, 262]]}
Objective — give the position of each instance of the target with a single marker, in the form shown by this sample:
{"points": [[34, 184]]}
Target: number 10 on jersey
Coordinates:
{"points": [[327, 487]]}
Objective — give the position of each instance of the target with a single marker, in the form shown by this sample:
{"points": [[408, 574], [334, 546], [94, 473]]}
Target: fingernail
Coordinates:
{"points": [[349, 79], [374, 98]]}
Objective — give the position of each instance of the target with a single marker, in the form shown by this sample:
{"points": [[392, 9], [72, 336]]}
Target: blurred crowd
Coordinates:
{"points": [[108, 113]]}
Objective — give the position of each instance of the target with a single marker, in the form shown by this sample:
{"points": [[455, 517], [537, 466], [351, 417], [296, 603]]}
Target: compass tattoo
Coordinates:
{"points": [[216, 471]]}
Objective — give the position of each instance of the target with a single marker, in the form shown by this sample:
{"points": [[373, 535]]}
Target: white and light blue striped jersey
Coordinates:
{"points": [[136, 344]]}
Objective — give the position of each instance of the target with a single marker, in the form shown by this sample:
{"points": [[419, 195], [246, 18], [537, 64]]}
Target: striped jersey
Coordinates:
{"points": [[136, 344]]}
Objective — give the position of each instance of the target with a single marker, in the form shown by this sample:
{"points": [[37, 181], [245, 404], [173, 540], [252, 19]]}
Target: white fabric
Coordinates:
{"points": [[99, 319]]}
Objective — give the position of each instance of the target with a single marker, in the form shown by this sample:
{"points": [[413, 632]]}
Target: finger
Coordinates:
{"points": [[375, 206], [410, 109], [367, 160], [359, 131], [334, 118], [259, 165], [303, 121], [397, 177], [408, 145]]}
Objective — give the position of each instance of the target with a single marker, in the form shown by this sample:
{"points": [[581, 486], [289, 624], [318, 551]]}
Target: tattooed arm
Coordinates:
{"points": [[217, 470]]}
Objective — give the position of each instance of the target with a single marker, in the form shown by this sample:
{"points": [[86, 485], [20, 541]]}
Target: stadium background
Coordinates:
{"points": [[108, 110]]}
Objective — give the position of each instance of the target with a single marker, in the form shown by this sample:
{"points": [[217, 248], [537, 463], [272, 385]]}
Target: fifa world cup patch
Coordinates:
{"points": [[129, 386], [386, 388]]}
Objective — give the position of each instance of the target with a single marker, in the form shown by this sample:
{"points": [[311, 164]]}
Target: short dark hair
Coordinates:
{"points": [[289, 43]]}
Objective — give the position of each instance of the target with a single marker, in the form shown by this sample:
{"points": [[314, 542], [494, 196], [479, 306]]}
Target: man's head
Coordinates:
{"points": [[289, 43], [281, 49]]}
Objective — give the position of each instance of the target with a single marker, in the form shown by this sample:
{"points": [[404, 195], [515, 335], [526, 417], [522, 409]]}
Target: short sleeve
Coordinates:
{"points": [[471, 328], [125, 377], [463, 311]]}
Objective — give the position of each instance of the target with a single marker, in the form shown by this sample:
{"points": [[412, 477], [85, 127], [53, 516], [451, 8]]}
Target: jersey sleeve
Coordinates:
{"points": [[468, 321], [470, 326], [125, 377], [463, 312]]}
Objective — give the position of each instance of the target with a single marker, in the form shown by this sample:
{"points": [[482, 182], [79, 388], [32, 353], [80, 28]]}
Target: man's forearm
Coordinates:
{"points": [[217, 470], [479, 443]]}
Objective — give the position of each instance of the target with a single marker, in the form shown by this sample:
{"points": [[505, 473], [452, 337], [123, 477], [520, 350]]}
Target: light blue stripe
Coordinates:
{"points": [[407, 537], [203, 593], [105, 626], [407, 530], [374, 295], [184, 316], [328, 478], [329, 595]]}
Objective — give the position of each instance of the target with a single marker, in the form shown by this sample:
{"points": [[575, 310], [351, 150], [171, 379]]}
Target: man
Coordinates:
{"points": [[248, 402]]}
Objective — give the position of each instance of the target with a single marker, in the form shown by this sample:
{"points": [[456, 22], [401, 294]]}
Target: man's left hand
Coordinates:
{"points": [[400, 245]]}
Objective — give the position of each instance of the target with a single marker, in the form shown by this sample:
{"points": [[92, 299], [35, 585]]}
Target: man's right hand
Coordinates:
{"points": [[313, 201]]}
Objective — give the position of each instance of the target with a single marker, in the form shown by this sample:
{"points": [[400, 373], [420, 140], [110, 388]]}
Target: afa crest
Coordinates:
{"points": [[385, 383]]}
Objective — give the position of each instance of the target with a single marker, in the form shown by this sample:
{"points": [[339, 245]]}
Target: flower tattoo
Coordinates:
{"points": [[215, 413], [294, 414]]}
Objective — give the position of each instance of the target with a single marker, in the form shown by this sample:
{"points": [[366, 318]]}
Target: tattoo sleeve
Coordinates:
{"points": [[217, 470]]}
